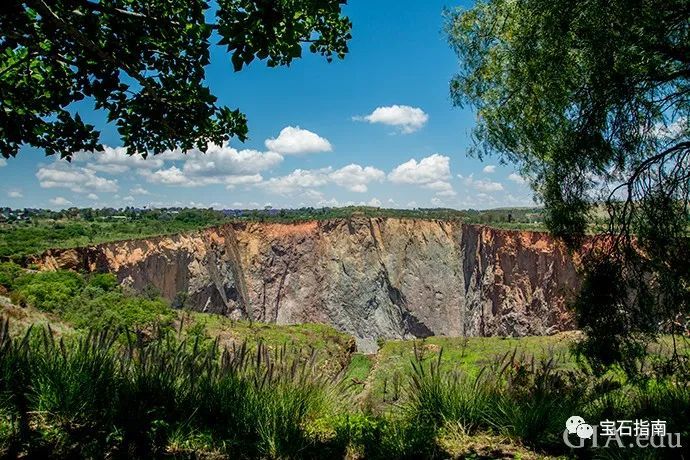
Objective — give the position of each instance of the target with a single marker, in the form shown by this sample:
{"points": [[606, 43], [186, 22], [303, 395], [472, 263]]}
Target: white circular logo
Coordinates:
{"points": [[585, 431], [573, 422]]}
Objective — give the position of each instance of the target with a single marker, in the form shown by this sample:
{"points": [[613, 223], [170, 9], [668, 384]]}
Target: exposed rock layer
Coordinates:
{"points": [[382, 277]]}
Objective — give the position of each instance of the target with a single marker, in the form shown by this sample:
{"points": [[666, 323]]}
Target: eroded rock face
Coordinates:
{"points": [[381, 277]]}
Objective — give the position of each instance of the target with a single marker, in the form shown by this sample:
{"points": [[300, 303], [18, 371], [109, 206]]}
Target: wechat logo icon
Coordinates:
{"points": [[577, 425]]}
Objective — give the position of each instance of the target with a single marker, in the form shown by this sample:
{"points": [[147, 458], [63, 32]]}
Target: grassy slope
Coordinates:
{"points": [[388, 371], [368, 376], [23, 318], [333, 349]]}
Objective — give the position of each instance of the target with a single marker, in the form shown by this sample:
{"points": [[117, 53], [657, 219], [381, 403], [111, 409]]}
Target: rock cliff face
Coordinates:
{"points": [[382, 277]]}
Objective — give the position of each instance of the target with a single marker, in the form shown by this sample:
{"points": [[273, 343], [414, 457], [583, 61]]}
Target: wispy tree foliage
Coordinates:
{"points": [[143, 63], [591, 99]]}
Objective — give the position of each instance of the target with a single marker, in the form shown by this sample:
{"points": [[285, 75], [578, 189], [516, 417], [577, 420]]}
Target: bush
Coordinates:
{"points": [[9, 272], [93, 301], [49, 291]]}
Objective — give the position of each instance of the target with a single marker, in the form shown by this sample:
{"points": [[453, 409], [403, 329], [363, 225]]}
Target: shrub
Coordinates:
{"points": [[49, 291], [9, 272]]}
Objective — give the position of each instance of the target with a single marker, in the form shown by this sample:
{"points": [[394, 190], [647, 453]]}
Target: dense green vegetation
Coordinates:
{"points": [[95, 301], [93, 396], [40, 230]]}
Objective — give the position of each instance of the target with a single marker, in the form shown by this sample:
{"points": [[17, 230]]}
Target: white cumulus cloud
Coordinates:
{"points": [[298, 179], [294, 140], [355, 178], [115, 160], [3, 162], [226, 161], [92, 196], [489, 169], [170, 176], [15, 194], [407, 119], [138, 190], [233, 181], [60, 201], [518, 179], [481, 185], [218, 165], [77, 179], [432, 172]]}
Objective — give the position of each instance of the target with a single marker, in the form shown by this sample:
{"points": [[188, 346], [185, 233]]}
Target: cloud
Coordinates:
{"points": [[407, 119], [92, 196], [355, 178], [3, 162], [295, 140], [518, 179], [667, 131], [432, 172], [128, 199], [446, 193], [489, 169], [332, 203], [218, 165], [374, 202], [138, 190], [115, 160], [15, 194], [170, 176], [481, 185], [233, 181], [437, 202], [227, 161], [520, 200], [298, 179], [487, 186], [60, 201], [77, 179]]}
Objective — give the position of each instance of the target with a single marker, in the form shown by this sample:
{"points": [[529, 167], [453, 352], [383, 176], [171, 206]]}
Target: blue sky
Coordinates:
{"points": [[376, 128]]}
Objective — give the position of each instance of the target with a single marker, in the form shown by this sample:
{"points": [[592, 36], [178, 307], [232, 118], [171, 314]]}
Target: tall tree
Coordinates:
{"points": [[142, 61], [591, 98]]}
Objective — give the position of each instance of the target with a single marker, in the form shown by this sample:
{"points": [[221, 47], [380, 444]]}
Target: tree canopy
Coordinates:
{"points": [[143, 62], [591, 99]]}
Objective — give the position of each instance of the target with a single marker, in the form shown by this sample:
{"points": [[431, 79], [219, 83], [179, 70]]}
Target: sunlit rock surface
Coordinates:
{"points": [[378, 277]]}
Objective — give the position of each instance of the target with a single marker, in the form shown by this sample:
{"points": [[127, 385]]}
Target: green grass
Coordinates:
{"points": [[90, 397], [360, 367], [395, 358], [333, 349], [94, 395]]}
